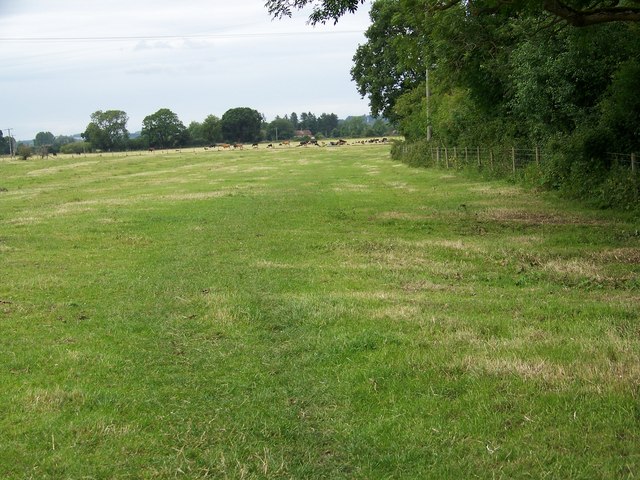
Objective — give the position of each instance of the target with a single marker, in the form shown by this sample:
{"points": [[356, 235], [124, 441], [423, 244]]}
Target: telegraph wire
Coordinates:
{"points": [[128, 38]]}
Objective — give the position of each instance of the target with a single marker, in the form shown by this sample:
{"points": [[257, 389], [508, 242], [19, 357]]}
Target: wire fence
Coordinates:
{"points": [[499, 160]]}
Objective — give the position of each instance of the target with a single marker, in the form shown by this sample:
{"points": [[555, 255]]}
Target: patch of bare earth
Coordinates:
{"points": [[350, 187], [398, 312], [401, 186], [630, 256], [49, 400], [425, 285], [492, 190], [401, 216], [574, 267], [507, 215], [596, 376]]}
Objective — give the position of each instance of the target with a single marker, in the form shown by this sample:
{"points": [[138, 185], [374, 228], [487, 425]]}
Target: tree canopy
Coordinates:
{"points": [[241, 124], [211, 129], [575, 12], [107, 130], [43, 139], [163, 129], [491, 76], [280, 129]]}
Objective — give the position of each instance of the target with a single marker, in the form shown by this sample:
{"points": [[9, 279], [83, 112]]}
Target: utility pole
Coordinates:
{"points": [[10, 142], [428, 113]]}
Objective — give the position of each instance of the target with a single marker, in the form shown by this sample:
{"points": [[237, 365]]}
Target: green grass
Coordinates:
{"points": [[310, 313]]}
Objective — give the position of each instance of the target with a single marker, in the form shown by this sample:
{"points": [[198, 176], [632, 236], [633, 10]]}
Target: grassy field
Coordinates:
{"points": [[310, 313]]}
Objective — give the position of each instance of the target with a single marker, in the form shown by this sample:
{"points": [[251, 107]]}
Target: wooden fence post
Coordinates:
{"points": [[438, 155], [537, 155], [513, 159], [446, 156], [479, 164], [634, 171], [491, 159], [466, 156]]}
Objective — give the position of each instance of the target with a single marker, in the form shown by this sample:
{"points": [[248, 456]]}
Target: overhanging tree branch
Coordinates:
{"points": [[576, 13], [583, 18], [323, 10]]}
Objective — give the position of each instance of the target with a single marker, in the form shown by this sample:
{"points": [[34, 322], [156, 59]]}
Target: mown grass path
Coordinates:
{"points": [[310, 313]]}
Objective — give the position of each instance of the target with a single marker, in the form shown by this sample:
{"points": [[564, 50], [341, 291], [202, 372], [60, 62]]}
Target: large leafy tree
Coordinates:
{"points": [[492, 77], [211, 129], [558, 81], [241, 124], [163, 129], [7, 144], [353, 127], [294, 119], [44, 138], [280, 129], [390, 63], [195, 134], [576, 12], [107, 130], [327, 123], [308, 121], [4, 144]]}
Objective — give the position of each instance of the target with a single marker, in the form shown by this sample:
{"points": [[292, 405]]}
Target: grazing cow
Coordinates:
{"points": [[255, 145], [238, 146], [223, 146], [270, 145], [342, 142], [286, 142]]}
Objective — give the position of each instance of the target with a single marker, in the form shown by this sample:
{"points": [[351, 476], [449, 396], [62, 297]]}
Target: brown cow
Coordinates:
{"points": [[238, 145]]}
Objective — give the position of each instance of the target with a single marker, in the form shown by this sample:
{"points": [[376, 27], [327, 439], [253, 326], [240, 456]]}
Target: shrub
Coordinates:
{"points": [[24, 151]]}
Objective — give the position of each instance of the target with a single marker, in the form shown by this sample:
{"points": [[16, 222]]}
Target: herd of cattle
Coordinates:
{"points": [[287, 143]]}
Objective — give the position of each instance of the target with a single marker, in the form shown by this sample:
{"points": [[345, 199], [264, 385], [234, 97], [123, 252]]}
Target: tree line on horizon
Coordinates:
{"points": [[107, 131]]}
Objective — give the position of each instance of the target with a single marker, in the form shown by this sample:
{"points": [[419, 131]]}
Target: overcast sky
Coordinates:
{"points": [[61, 60]]}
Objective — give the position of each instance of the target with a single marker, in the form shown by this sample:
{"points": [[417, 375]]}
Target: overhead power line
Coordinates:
{"points": [[172, 37]]}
